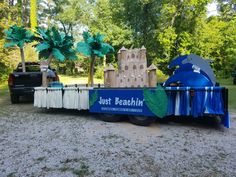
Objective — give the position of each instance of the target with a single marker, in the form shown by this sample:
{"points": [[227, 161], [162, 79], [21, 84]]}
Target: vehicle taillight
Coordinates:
{"points": [[10, 80]]}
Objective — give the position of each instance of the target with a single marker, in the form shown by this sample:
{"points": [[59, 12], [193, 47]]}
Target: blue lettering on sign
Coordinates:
{"points": [[119, 101]]}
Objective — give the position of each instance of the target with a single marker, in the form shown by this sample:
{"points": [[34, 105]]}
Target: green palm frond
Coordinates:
{"points": [[156, 101], [94, 45], [59, 45], [18, 36], [93, 98]]}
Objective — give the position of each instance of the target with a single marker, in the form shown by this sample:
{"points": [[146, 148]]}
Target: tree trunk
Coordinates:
{"points": [[22, 59], [33, 14], [91, 71], [44, 79], [104, 61]]}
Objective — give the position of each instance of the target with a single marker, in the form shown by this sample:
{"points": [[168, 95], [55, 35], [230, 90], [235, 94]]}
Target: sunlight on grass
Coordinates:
{"points": [[3, 89], [228, 83], [77, 80]]}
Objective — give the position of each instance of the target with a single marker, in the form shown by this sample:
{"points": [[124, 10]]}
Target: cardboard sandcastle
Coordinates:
{"points": [[132, 70]]}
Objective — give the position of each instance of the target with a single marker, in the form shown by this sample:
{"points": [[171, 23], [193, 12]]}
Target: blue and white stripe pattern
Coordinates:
{"points": [[206, 100]]}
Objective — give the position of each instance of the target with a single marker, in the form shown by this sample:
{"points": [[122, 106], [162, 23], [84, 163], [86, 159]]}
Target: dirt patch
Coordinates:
{"points": [[36, 142]]}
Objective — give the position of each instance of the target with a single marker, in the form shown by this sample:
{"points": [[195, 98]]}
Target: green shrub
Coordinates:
{"points": [[99, 73], [161, 77]]}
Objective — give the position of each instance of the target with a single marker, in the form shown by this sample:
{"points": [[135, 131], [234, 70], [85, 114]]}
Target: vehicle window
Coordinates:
{"points": [[29, 68], [32, 68]]}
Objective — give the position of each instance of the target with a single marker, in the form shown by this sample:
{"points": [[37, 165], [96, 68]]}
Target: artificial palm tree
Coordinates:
{"points": [[53, 44], [93, 46], [18, 36]]}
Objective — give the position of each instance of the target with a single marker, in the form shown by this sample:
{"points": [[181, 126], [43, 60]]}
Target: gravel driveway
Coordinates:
{"points": [[36, 142]]}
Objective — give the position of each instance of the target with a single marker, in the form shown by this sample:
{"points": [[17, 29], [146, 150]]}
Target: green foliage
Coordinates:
{"points": [[107, 21], [167, 28], [69, 14], [94, 45], [156, 101], [93, 98], [8, 57], [99, 73], [227, 9], [18, 36], [161, 77], [53, 43]]}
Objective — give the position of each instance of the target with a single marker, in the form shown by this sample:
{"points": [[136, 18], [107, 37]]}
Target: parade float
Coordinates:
{"points": [[133, 90]]}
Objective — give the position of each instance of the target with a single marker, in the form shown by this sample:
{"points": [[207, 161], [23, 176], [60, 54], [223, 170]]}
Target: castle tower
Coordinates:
{"points": [[143, 53], [152, 76], [123, 52], [110, 76], [119, 55], [132, 68]]}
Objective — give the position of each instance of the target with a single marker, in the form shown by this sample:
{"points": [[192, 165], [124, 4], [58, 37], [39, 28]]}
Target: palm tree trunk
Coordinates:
{"points": [[44, 79], [22, 59], [91, 71], [44, 75]]}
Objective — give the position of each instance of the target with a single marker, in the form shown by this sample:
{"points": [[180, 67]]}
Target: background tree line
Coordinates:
{"points": [[167, 28]]}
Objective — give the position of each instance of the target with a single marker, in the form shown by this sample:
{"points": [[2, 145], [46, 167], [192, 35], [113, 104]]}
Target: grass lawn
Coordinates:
{"points": [[228, 83], [4, 93], [3, 89], [63, 78], [77, 80]]}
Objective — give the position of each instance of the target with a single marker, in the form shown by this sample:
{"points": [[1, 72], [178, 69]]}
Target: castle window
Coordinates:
{"points": [[126, 67], [133, 56], [121, 80], [142, 79], [135, 79], [141, 66], [128, 80], [134, 67]]}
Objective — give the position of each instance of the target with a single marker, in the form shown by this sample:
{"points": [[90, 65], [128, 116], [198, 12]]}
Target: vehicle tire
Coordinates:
{"points": [[14, 99], [109, 117], [234, 80], [141, 120]]}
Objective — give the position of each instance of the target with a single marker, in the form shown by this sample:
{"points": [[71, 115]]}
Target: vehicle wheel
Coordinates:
{"points": [[109, 117], [234, 80], [14, 99], [141, 120]]}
